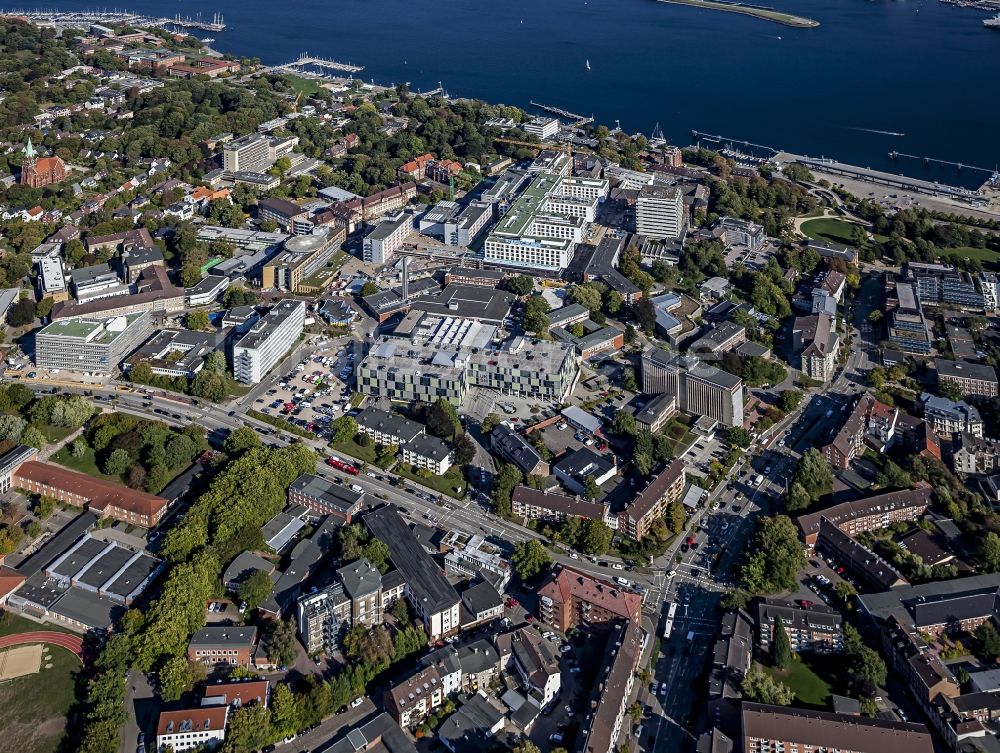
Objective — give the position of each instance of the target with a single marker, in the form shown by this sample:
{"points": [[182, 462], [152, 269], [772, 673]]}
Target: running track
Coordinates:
{"points": [[70, 642]]}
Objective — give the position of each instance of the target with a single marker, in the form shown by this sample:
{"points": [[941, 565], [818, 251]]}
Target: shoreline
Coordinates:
{"points": [[786, 19]]}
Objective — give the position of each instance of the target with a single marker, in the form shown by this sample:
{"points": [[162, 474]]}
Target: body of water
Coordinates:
{"points": [[916, 67]]}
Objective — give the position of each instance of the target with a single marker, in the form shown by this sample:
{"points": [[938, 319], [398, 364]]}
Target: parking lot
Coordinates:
{"points": [[316, 390]]}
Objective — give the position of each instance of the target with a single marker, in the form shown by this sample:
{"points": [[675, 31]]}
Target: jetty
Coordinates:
{"points": [[578, 120], [757, 11]]}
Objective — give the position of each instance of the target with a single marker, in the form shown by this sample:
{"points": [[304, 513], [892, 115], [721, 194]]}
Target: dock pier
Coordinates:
{"points": [[578, 120]]}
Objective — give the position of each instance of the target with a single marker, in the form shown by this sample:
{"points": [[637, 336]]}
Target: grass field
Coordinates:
{"points": [[86, 463], [987, 256], [445, 484], [35, 706], [56, 433], [308, 86], [352, 448], [828, 228], [808, 684]]}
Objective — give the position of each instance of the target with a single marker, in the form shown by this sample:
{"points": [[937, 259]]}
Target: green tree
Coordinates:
{"points": [[988, 639], [442, 419], [284, 644], [175, 678], [789, 400], [781, 647], [117, 463], [520, 284], [642, 463], [45, 507], [623, 423], [590, 488], [491, 422], [343, 429], [78, 448], [33, 437], [465, 450], [248, 729], [988, 552], [759, 686], [240, 440], [197, 320], [774, 559], [210, 385], [286, 711], [529, 559], [369, 288], [536, 318], [587, 295], [255, 588], [676, 516], [216, 362], [595, 537], [21, 313], [739, 437]]}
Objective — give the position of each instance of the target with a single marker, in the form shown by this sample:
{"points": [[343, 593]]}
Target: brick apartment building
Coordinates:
{"points": [[570, 598]]}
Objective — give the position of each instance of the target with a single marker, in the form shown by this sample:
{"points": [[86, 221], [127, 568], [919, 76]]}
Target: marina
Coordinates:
{"points": [[70, 19]]}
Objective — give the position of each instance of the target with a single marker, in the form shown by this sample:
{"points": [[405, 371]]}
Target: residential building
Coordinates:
{"points": [[534, 660], [91, 345], [482, 601], [656, 413], [652, 502], [872, 513], [815, 628], [387, 238], [429, 453], [575, 469], [138, 258], [570, 598], [659, 212], [948, 417], [430, 594], [989, 284], [514, 448], [256, 352], [968, 378], [606, 713], [699, 388], [105, 498], [543, 128], [908, 329], [870, 423], [223, 645], [416, 168], [474, 725], [766, 729], [943, 284], [192, 728], [387, 428], [975, 455], [865, 567], [411, 701], [816, 340], [324, 497], [533, 504]]}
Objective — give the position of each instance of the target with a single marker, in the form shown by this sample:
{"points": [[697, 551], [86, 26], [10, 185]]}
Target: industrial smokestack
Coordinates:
{"points": [[406, 279]]}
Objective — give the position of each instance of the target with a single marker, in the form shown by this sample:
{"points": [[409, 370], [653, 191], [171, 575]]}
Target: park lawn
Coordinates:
{"points": [[55, 433], [987, 256], [443, 484], [86, 463], [35, 706], [830, 229], [308, 86], [352, 448], [810, 687]]}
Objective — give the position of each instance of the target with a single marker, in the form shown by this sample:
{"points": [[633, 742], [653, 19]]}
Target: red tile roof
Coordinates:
{"points": [[252, 691], [201, 719], [570, 583], [10, 581], [99, 493]]}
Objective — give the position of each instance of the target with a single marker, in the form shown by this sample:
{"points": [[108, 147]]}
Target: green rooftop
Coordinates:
{"points": [[96, 331]]}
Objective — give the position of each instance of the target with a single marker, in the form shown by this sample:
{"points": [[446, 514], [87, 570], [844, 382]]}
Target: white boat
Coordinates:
{"points": [[993, 23], [206, 40], [588, 65]]}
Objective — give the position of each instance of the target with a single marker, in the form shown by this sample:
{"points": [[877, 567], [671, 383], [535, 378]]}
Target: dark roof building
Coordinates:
{"points": [[870, 569], [325, 497], [514, 448]]}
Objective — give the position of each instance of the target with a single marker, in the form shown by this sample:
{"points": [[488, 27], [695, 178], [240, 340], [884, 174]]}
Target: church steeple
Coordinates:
{"points": [[29, 150]]}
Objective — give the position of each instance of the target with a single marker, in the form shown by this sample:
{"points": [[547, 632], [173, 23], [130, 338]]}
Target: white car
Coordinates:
{"points": [[357, 702]]}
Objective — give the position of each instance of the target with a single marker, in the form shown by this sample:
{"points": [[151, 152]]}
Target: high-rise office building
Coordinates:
{"points": [[91, 345], [699, 389], [267, 341], [659, 212]]}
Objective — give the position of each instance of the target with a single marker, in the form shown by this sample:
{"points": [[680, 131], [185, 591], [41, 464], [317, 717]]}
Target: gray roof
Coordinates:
{"points": [[304, 557], [94, 610], [58, 544], [477, 656], [422, 575], [143, 255], [655, 408], [816, 617], [341, 497], [386, 422], [244, 565], [468, 301], [428, 447], [900, 601], [481, 597], [514, 448], [225, 636], [381, 733], [585, 462], [964, 370], [360, 578]]}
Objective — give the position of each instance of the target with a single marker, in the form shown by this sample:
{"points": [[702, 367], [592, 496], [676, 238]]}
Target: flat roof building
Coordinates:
{"points": [[94, 345], [256, 353]]}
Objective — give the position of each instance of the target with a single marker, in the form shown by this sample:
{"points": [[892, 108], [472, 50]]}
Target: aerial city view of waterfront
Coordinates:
{"points": [[912, 76], [531, 377]]}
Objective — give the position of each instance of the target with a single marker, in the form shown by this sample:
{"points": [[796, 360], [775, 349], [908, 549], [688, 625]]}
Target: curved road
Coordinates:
{"points": [[72, 643]]}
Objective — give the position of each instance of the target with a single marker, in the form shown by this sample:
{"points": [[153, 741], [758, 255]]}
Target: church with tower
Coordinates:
{"points": [[40, 171]]}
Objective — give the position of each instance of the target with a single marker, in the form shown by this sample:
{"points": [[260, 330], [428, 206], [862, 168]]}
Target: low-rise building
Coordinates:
{"points": [[871, 513], [415, 698], [192, 728], [975, 455], [324, 497], [871, 423], [207, 291], [817, 628], [949, 417], [968, 378], [386, 428], [515, 448], [223, 645], [766, 729], [428, 453], [532, 504], [575, 469], [656, 413], [535, 662], [817, 342], [472, 556]]}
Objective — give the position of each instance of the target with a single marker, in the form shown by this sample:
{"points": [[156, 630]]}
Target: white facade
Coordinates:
{"points": [[541, 253], [267, 341], [387, 238], [51, 279], [990, 285], [659, 212], [543, 128]]}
